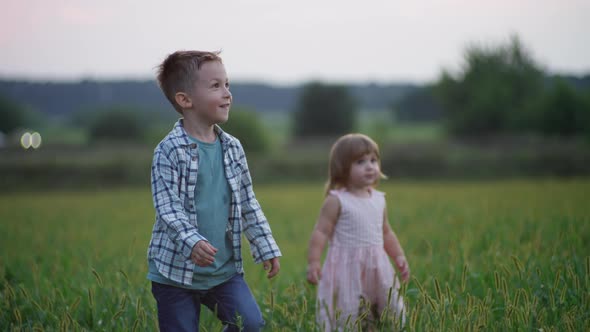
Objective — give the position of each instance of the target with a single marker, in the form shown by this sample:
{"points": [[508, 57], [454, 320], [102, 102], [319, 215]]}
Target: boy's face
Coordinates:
{"points": [[210, 97]]}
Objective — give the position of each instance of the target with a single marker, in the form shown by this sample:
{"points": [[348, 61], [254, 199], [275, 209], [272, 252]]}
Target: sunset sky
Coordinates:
{"points": [[284, 42]]}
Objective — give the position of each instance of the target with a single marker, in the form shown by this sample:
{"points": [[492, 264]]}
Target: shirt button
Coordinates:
{"points": [[191, 206], [194, 158]]}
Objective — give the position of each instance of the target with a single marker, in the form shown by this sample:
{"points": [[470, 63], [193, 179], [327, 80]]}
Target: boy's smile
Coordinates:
{"points": [[211, 98]]}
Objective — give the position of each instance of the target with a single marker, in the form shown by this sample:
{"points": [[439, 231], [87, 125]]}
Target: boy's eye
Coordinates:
{"points": [[215, 85]]}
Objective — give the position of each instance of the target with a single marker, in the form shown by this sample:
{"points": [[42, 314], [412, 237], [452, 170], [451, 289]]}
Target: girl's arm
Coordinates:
{"points": [[321, 233], [394, 249]]}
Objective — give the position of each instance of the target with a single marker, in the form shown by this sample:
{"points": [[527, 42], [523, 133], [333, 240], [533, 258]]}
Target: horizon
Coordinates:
{"points": [[244, 81]]}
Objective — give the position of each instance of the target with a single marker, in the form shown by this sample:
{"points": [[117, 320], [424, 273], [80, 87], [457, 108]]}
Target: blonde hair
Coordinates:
{"points": [[346, 150], [178, 72]]}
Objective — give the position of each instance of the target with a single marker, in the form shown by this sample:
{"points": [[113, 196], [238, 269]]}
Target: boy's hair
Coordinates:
{"points": [[178, 72], [346, 150]]}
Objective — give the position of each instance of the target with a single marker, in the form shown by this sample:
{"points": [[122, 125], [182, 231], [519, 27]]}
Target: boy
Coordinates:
{"points": [[203, 197]]}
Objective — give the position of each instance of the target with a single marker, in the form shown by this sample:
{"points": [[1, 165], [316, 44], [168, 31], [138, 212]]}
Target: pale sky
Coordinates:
{"points": [[284, 42]]}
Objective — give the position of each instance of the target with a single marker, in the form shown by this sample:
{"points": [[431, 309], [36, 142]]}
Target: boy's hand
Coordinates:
{"points": [[203, 253], [402, 267], [314, 273], [274, 266]]}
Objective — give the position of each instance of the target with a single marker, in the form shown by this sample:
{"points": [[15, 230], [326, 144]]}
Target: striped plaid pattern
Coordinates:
{"points": [[176, 231]]}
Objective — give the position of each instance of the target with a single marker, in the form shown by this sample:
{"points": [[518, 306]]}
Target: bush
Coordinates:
{"points": [[12, 115], [246, 125], [563, 112], [117, 124], [325, 110]]}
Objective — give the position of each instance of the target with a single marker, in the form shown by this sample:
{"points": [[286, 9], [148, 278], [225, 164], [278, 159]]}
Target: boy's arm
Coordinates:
{"points": [[394, 248], [321, 233], [169, 208], [255, 225]]}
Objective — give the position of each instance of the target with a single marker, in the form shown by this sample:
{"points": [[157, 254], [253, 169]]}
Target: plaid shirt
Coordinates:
{"points": [[176, 230]]}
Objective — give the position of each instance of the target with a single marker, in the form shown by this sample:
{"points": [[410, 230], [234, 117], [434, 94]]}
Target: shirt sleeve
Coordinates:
{"points": [[255, 226], [169, 207]]}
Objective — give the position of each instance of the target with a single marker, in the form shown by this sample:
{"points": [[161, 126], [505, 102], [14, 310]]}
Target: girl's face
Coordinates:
{"points": [[364, 172]]}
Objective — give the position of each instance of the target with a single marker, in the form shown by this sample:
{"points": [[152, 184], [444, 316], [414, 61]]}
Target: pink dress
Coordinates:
{"points": [[356, 265]]}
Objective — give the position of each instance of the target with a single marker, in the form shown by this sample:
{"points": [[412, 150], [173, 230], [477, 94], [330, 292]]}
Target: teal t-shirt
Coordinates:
{"points": [[212, 202]]}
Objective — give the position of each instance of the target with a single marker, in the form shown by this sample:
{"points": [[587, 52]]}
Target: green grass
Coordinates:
{"points": [[379, 124], [508, 255]]}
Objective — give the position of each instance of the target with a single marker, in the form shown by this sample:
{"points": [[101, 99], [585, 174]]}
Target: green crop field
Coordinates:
{"points": [[506, 255]]}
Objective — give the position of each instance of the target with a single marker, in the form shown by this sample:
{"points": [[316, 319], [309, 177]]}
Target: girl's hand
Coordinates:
{"points": [[403, 267], [314, 273]]}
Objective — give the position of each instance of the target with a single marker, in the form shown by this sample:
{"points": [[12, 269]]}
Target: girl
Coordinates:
{"points": [[357, 276]]}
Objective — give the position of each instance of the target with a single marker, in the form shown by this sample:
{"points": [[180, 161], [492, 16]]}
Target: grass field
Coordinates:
{"points": [[507, 255]]}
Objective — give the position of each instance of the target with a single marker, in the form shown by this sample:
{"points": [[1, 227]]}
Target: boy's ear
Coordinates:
{"points": [[183, 100]]}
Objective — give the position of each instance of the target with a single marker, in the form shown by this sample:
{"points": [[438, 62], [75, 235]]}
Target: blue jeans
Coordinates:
{"points": [[179, 309]]}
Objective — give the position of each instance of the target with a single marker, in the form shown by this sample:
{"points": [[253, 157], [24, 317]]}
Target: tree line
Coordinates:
{"points": [[500, 89]]}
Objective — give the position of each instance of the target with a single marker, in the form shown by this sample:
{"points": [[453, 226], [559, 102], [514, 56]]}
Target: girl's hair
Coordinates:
{"points": [[346, 150], [178, 72]]}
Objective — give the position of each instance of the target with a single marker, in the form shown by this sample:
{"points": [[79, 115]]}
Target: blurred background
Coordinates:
{"points": [[449, 89]]}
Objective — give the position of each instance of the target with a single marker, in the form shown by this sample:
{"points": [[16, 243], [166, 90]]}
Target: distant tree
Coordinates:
{"points": [[12, 115], [586, 95], [245, 124], [489, 93], [563, 111], [581, 82], [420, 105], [117, 124], [324, 110]]}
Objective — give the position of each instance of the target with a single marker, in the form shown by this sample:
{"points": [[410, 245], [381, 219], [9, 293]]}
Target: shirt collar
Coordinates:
{"points": [[184, 140]]}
